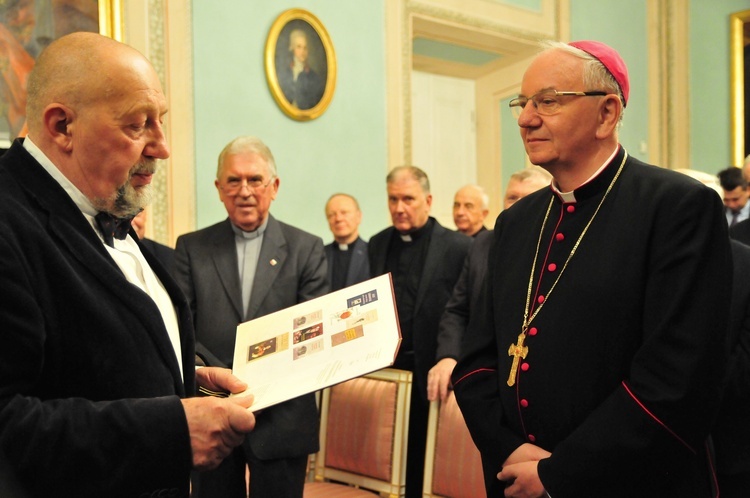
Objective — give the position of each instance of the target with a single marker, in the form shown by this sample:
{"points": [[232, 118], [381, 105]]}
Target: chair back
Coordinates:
{"points": [[453, 466], [363, 431]]}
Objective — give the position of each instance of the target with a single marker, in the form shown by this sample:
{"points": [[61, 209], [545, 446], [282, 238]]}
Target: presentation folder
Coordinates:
{"points": [[318, 343]]}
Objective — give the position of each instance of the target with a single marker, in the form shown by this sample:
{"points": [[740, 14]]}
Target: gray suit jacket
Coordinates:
{"points": [[291, 269], [359, 266]]}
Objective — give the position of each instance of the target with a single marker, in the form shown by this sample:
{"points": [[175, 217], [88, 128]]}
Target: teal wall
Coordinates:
{"points": [[344, 150], [710, 139], [622, 25]]}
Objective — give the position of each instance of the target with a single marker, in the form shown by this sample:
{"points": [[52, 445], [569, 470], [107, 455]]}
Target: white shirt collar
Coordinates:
{"points": [[83, 203], [570, 196]]}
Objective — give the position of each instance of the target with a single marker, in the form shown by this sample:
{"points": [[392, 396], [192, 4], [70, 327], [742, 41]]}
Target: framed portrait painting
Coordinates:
{"points": [[26, 28], [300, 65]]}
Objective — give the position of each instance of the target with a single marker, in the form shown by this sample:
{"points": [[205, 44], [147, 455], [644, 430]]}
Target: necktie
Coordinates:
{"points": [[735, 215], [112, 227]]}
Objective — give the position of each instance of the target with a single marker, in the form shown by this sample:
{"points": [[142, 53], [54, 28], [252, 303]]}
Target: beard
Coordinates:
{"points": [[129, 200]]}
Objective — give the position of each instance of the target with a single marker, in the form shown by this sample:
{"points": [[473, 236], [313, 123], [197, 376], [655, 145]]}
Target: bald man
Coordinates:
{"points": [[98, 364], [746, 168], [524, 182], [470, 208], [347, 256]]}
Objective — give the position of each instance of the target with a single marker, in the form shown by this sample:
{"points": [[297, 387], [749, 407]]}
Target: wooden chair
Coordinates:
{"points": [[453, 467], [363, 430]]}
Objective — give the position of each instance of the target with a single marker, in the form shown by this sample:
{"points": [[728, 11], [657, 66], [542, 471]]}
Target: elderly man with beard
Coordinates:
{"points": [[98, 363]]}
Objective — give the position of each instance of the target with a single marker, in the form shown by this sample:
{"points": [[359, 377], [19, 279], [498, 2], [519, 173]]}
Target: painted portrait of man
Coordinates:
{"points": [[301, 65], [26, 28]]}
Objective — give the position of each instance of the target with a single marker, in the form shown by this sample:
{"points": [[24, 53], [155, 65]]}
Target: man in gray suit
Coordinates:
{"points": [[347, 254], [244, 267]]}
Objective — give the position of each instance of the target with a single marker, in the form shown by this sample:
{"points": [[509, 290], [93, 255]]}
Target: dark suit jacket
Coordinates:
{"points": [[465, 293], [731, 432], [359, 265], [291, 269], [164, 254], [306, 92], [442, 266], [741, 232], [89, 382]]}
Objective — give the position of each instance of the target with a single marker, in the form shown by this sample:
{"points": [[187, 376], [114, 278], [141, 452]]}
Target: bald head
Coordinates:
{"points": [[746, 168], [96, 109], [77, 70], [524, 182], [470, 209]]}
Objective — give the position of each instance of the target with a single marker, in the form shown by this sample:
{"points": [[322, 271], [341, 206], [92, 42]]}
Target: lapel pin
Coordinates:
{"points": [[273, 262]]}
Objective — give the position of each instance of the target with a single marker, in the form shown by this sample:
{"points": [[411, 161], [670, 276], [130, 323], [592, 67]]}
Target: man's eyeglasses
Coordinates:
{"points": [[234, 186], [547, 102]]}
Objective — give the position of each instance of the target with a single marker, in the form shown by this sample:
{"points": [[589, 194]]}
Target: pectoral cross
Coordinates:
{"points": [[517, 351]]}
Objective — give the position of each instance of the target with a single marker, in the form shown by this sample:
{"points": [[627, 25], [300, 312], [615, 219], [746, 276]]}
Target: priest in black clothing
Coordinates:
{"points": [[425, 260], [347, 254], [599, 346]]}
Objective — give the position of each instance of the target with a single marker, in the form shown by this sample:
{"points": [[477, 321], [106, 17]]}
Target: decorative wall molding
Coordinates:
{"points": [[669, 83], [509, 31], [161, 30]]}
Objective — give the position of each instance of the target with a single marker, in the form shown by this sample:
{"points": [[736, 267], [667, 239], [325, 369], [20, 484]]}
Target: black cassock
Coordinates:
{"points": [[622, 374]]}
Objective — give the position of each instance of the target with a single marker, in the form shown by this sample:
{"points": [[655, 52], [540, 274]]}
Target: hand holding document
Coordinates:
{"points": [[318, 343]]}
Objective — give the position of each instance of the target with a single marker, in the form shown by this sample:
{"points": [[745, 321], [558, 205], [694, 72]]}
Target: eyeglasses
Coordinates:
{"points": [[547, 102], [234, 186]]}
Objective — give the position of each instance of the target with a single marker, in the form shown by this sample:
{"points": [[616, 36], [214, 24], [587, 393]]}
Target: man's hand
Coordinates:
{"points": [[527, 452], [519, 471], [219, 380], [439, 378], [216, 426], [523, 480]]}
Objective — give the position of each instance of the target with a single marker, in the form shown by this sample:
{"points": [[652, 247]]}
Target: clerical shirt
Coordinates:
{"points": [[342, 257], [405, 261]]}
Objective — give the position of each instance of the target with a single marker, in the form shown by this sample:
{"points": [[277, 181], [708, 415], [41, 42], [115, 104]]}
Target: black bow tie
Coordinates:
{"points": [[112, 227]]}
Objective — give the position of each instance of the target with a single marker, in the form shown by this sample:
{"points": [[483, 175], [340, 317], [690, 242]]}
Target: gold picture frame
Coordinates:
{"points": [[110, 18], [300, 65], [738, 26]]}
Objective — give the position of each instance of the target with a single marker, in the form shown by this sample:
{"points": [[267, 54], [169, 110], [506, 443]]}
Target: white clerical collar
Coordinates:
{"points": [[83, 203], [570, 196], [240, 233], [343, 247], [405, 237]]}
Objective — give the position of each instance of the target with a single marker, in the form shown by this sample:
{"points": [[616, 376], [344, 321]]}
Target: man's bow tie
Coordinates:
{"points": [[112, 227]]}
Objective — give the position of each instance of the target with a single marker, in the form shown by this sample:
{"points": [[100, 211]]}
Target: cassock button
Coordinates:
{"points": [[571, 208], [525, 367], [559, 237], [524, 403], [533, 331], [540, 299], [551, 267], [531, 438]]}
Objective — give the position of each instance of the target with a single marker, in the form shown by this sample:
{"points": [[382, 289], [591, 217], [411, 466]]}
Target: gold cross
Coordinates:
{"points": [[517, 351]]}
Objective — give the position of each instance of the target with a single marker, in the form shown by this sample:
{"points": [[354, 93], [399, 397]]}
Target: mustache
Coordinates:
{"points": [[146, 167]]}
